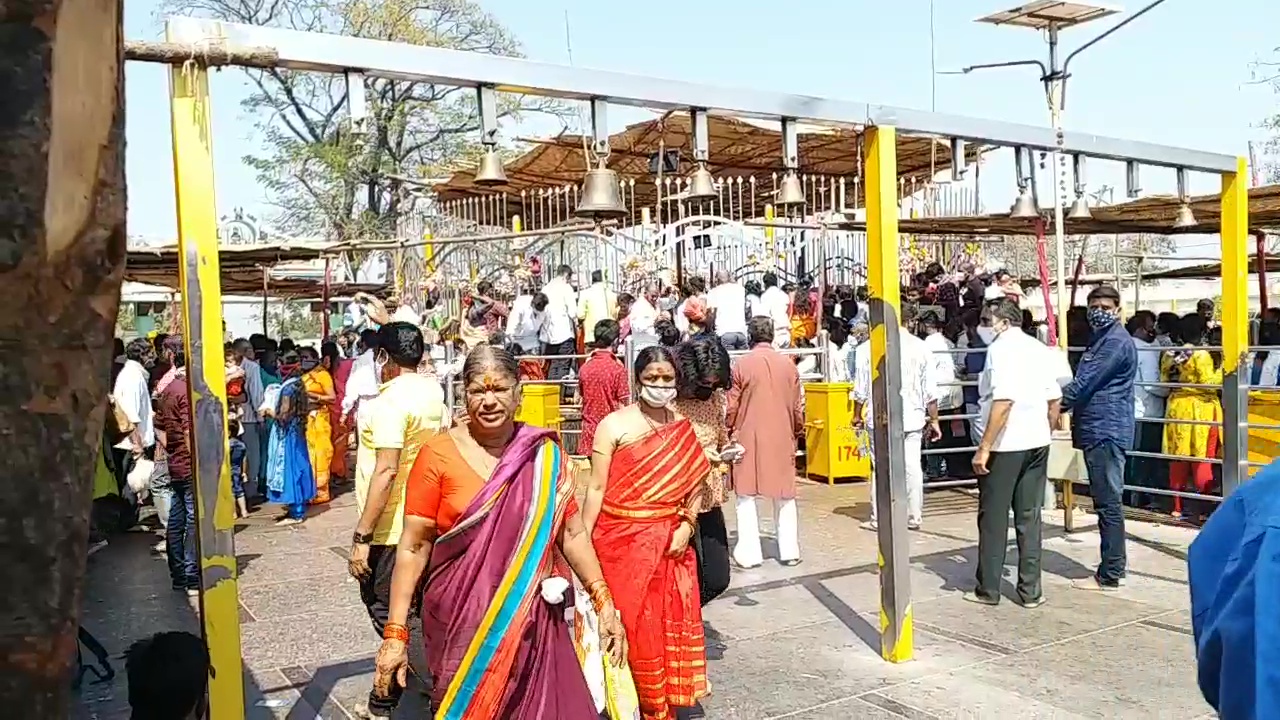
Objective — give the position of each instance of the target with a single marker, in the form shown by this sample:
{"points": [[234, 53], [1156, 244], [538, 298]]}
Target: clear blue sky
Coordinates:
{"points": [[1179, 75]]}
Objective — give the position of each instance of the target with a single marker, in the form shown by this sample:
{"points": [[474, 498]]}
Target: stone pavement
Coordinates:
{"points": [[795, 642]]}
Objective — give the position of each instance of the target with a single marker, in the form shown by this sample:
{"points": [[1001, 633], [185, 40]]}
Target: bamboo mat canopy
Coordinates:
{"points": [[1211, 271], [241, 269], [737, 149], [1150, 215]]}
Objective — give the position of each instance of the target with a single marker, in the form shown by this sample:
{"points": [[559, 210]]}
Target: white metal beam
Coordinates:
{"points": [[339, 54]]}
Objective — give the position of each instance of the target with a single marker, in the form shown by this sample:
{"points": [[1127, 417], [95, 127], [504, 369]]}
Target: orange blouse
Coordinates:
{"points": [[442, 484]]}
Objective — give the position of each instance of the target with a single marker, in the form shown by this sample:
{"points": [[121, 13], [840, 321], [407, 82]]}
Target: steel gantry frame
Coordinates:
{"points": [[294, 50]]}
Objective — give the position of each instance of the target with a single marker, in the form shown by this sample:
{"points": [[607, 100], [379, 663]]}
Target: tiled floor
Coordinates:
{"points": [[784, 642]]}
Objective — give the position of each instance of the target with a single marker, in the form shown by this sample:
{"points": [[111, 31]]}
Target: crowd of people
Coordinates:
{"points": [[477, 539]]}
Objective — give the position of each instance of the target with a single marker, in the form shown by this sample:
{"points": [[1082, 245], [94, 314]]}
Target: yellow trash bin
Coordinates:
{"points": [[540, 405], [831, 448]]}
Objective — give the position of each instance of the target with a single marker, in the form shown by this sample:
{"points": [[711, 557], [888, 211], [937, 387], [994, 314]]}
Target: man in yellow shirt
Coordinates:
{"points": [[598, 302], [408, 410]]}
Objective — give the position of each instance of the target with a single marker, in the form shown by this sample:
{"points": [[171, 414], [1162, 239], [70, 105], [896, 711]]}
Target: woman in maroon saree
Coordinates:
{"points": [[491, 504]]}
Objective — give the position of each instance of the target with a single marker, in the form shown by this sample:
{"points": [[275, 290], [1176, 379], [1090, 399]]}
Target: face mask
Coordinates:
{"points": [[657, 396], [378, 364], [986, 334], [1100, 318], [308, 365]]}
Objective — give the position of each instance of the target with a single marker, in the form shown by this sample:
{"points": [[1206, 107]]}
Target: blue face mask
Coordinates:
{"points": [[1100, 319]]}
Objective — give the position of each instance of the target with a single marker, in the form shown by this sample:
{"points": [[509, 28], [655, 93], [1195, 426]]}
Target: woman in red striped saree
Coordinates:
{"points": [[641, 506]]}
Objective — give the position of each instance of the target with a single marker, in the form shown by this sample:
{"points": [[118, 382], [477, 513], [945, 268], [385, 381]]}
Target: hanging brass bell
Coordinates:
{"points": [[789, 192], [1186, 218], [600, 198], [490, 171], [1080, 209], [701, 185], [1024, 206]]}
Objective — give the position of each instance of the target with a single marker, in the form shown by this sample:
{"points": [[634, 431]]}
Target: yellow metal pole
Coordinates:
{"points": [[429, 252], [889, 471], [202, 326], [770, 233], [1235, 325]]}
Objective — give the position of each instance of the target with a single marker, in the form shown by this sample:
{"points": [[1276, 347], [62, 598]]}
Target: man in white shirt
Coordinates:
{"points": [[919, 410], [728, 301], [255, 431], [133, 396], [598, 302], [558, 331], [1019, 401], [643, 316], [525, 321], [1148, 402], [362, 383], [776, 306]]}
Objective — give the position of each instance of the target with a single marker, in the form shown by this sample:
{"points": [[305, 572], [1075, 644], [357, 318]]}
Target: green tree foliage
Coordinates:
{"points": [[325, 176]]}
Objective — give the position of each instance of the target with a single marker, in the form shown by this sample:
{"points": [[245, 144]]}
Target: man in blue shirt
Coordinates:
{"points": [[1100, 399]]}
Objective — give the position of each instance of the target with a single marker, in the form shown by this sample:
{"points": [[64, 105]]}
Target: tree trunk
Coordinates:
{"points": [[62, 253]]}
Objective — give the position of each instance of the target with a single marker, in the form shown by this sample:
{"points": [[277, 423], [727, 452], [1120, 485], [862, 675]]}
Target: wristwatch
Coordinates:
{"points": [[360, 538]]}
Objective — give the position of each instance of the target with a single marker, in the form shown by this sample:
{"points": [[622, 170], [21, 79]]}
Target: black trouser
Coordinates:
{"points": [[1147, 471], [952, 464], [557, 369], [1014, 479], [122, 461], [711, 544], [375, 592]]}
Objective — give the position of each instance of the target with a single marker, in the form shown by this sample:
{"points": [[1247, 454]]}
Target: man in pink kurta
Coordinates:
{"points": [[764, 415]]}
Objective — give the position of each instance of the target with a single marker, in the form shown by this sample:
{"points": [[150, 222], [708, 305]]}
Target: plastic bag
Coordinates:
{"points": [[139, 478], [586, 641], [621, 700]]}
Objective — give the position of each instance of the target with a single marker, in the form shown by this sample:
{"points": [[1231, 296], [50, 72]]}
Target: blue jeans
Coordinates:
{"points": [[734, 341], [1105, 463], [180, 541]]}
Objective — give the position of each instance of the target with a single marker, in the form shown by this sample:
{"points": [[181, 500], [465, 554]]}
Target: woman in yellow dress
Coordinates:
{"points": [[1199, 404], [320, 396]]}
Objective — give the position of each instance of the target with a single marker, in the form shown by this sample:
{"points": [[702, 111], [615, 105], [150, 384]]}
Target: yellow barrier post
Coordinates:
{"points": [[831, 447], [1235, 326], [190, 113], [890, 490]]}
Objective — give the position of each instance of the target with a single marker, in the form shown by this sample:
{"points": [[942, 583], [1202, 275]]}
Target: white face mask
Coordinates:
{"points": [[378, 364], [986, 334], [657, 396]]}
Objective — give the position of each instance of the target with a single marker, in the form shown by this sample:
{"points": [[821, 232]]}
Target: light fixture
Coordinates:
{"points": [[600, 198]]}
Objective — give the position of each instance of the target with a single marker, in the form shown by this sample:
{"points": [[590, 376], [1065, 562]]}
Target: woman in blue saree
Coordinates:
{"points": [[290, 481], [489, 517]]}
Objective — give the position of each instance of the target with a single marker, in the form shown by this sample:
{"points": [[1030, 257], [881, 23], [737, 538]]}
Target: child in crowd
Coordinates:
{"points": [[237, 449], [168, 677]]}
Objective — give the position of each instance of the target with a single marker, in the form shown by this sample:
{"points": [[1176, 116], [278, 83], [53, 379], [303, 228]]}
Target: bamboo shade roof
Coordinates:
{"points": [[1211, 271], [737, 149], [1150, 215], [240, 269]]}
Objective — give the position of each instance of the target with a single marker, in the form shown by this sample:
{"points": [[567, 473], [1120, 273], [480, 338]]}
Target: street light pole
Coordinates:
{"points": [[1051, 17]]}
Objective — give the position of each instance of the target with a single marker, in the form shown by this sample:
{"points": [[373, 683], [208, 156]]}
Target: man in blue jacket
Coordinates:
{"points": [[1100, 399]]}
